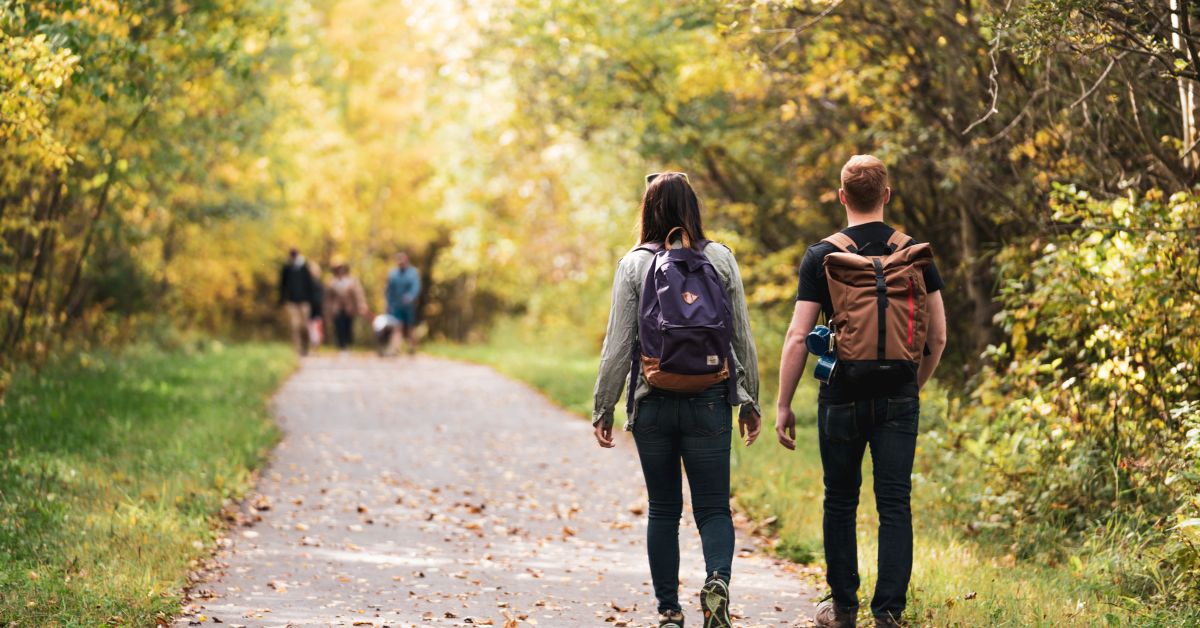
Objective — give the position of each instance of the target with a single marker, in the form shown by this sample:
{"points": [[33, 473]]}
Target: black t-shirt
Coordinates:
{"points": [[814, 287]]}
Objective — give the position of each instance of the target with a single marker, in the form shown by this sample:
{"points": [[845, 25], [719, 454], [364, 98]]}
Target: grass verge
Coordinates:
{"points": [[958, 580], [113, 470]]}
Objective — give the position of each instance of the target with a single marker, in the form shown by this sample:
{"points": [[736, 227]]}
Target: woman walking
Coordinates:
{"points": [[346, 300], [684, 343]]}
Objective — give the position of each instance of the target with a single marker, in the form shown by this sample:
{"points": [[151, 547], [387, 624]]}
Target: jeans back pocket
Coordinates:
{"points": [[903, 414], [838, 422], [709, 417], [646, 419]]}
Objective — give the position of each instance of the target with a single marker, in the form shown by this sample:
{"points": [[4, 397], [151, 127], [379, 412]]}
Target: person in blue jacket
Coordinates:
{"points": [[403, 288]]}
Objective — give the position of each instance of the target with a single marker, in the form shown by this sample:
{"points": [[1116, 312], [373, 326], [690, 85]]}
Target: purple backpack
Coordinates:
{"points": [[685, 323]]}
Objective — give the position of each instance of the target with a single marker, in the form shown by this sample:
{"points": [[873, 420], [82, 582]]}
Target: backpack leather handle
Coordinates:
{"points": [[687, 241]]}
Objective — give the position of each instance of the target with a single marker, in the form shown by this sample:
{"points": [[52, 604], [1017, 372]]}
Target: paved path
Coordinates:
{"points": [[429, 492]]}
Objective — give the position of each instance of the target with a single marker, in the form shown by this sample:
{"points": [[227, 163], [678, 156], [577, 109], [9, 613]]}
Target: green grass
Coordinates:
{"points": [[114, 469], [957, 580]]}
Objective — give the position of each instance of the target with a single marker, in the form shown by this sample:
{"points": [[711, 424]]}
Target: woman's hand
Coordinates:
{"points": [[604, 435], [749, 423]]}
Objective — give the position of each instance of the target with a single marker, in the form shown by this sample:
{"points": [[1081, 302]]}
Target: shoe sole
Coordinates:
{"points": [[714, 597]]}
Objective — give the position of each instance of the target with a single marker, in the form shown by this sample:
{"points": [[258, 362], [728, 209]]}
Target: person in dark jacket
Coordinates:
{"points": [[297, 291]]}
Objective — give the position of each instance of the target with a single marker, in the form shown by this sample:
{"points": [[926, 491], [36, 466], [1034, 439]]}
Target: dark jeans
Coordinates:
{"points": [[889, 427], [695, 429], [343, 328]]}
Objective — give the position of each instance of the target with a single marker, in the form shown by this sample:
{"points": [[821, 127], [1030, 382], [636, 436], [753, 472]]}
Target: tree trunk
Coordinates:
{"points": [[1180, 23], [977, 284], [44, 219]]}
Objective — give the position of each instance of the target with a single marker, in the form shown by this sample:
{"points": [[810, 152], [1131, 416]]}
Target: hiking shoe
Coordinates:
{"points": [[830, 616], [671, 619], [714, 600], [887, 621]]}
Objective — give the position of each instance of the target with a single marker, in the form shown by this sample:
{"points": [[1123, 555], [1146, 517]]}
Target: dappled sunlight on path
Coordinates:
{"points": [[422, 491]]}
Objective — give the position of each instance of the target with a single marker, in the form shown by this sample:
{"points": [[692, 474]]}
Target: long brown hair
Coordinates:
{"points": [[670, 202]]}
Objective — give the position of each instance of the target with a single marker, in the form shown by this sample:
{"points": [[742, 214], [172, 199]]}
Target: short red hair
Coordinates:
{"points": [[864, 179]]}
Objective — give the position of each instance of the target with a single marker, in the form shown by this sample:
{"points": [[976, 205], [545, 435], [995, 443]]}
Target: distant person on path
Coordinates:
{"points": [[297, 289], [403, 288], [881, 292], [316, 319], [345, 300], [679, 332]]}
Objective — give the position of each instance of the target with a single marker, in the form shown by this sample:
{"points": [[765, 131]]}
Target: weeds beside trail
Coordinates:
{"points": [[958, 580], [113, 469]]}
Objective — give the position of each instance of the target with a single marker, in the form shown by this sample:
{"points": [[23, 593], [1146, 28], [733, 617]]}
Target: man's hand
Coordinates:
{"points": [[791, 368], [785, 427], [604, 434], [936, 338], [749, 423]]}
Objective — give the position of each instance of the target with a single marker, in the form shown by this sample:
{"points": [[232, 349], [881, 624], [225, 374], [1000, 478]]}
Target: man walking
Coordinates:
{"points": [[403, 288], [297, 290], [869, 403]]}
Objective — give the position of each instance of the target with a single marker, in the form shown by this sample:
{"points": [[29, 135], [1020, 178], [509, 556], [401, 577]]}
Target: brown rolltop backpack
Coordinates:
{"points": [[879, 314]]}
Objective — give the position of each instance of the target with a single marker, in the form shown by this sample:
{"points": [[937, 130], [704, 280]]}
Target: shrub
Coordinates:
{"points": [[1088, 413]]}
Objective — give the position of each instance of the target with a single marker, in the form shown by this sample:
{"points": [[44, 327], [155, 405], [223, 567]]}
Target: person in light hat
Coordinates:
{"points": [[345, 300]]}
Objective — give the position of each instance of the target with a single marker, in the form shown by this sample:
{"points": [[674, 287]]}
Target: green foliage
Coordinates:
{"points": [[123, 124], [113, 470], [1091, 404]]}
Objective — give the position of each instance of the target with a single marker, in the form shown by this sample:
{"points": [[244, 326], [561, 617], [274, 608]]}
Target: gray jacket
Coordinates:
{"points": [[616, 357]]}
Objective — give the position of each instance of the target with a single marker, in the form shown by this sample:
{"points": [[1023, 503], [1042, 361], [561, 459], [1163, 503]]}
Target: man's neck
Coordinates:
{"points": [[854, 218]]}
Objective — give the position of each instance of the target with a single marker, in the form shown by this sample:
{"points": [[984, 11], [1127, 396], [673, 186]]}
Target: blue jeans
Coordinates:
{"points": [[694, 428], [889, 427]]}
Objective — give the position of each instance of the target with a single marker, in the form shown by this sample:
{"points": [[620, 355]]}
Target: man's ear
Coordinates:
{"points": [[887, 194], [842, 195]]}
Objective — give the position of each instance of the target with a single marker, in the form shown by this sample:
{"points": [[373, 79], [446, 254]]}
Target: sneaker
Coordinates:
{"points": [[830, 616], [887, 621], [714, 599], [671, 619]]}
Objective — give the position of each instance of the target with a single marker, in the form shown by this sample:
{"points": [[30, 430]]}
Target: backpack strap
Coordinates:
{"points": [[843, 242], [898, 241], [635, 362], [652, 247]]}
